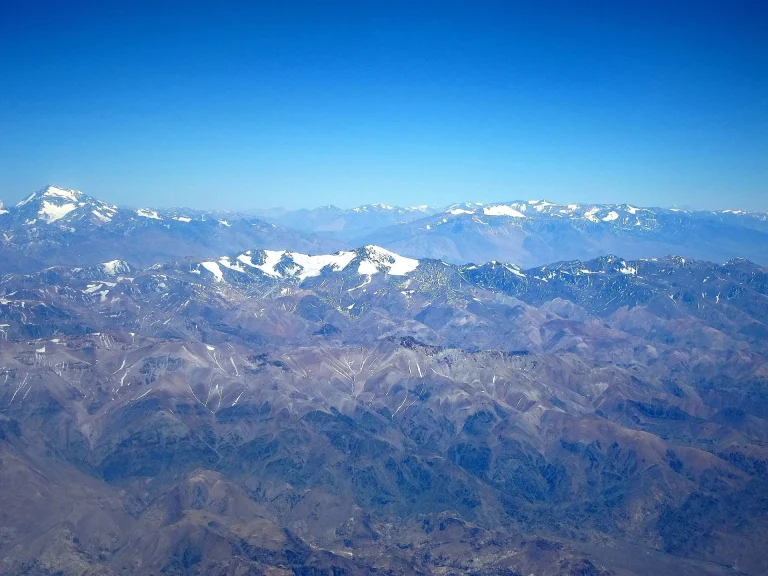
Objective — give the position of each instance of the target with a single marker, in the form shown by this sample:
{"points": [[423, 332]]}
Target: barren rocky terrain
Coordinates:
{"points": [[275, 413]]}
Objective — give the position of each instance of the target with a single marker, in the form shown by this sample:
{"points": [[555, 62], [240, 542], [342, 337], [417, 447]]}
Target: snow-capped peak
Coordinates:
{"points": [[146, 213], [55, 192], [52, 203], [377, 259], [369, 260], [116, 267]]}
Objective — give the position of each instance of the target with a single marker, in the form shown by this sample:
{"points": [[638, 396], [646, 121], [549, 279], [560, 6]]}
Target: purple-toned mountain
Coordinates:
{"points": [[277, 412]]}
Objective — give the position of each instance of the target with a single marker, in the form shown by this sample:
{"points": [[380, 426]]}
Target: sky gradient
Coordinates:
{"points": [[227, 105]]}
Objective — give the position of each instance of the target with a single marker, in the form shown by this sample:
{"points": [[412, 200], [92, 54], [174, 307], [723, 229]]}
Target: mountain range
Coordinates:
{"points": [[43, 229], [184, 392], [58, 226]]}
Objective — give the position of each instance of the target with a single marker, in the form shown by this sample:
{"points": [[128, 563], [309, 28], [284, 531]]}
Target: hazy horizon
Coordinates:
{"points": [[13, 200]]}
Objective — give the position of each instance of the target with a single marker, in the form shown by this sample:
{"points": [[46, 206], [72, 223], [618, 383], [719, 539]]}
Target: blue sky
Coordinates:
{"points": [[245, 105]]}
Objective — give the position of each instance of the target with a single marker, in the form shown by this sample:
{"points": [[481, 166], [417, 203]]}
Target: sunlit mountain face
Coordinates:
{"points": [[477, 389]]}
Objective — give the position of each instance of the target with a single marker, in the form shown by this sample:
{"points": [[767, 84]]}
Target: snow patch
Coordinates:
{"points": [[515, 270], [214, 269], [144, 213], [271, 259], [377, 258], [313, 265], [281, 263], [542, 205], [53, 191], [227, 263], [303, 265], [101, 216], [501, 210], [27, 199], [626, 269], [590, 214], [51, 212], [115, 267]]}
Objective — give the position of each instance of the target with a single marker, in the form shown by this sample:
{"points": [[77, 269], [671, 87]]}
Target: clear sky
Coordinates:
{"points": [[257, 104]]}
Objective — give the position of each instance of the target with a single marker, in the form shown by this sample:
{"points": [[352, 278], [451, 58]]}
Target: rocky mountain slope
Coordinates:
{"points": [[274, 412], [54, 226]]}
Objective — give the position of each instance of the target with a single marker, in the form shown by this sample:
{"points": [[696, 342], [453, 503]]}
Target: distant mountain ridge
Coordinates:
{"points": [[56, 226], [535, 232], [59, 226], [345, 223]]}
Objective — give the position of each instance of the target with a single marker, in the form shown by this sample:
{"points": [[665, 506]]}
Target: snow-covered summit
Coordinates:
{"points": [[68, 209], [53, 204], [51, 192], [116, 267], [365, 261]]}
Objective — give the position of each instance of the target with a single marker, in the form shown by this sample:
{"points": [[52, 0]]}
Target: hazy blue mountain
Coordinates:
{"points": [[536, 232], [345, 224], [57, 226]]}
